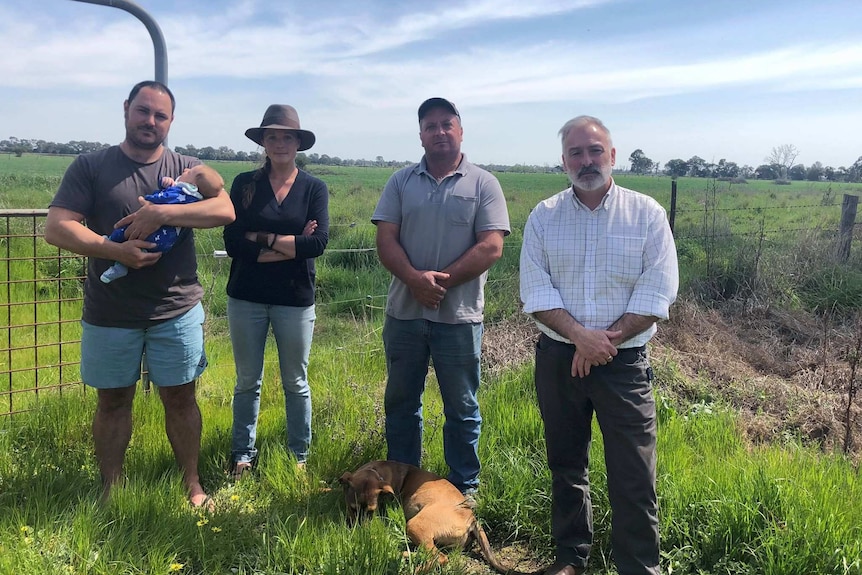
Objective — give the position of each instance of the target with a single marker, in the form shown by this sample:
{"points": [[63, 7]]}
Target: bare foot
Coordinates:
{"points": [[200, 500]]}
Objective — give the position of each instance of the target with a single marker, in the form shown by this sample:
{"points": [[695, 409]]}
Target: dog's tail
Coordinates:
{"points": [[485, 548]]}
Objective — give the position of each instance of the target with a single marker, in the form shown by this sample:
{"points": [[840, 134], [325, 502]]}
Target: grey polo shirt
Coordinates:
{"points": [[438, 223]]}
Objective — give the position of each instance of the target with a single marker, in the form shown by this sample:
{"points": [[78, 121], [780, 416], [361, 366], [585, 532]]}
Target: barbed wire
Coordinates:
{"points": [[760, 208]]}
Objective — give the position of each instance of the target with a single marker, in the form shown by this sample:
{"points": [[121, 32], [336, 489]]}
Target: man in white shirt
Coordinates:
{"points": [[598, 269]]}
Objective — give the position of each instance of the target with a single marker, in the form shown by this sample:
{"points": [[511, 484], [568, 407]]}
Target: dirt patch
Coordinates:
{"points": [[508, 344], [786, 373]]}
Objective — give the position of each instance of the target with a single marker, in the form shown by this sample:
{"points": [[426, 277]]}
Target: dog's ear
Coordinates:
{"points": [[345, 479], [386, 488]]}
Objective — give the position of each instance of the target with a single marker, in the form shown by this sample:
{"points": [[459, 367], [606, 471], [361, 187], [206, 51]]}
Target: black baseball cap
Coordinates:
{"points": [[430, 103]]}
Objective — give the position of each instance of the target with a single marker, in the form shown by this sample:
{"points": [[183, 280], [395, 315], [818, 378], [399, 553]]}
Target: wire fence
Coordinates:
{"points": [[41, 287]]}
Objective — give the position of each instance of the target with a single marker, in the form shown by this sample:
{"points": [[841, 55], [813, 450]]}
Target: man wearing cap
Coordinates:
{"points": [[282, 225], [158, 308], [440, 227]]}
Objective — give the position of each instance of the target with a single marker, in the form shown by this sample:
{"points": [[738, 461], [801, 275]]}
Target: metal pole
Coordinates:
{"points": [[161, 58], [159, 47], [672, 204]]}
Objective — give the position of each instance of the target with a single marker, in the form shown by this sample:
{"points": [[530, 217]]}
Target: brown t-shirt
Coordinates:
{"points": [[104, 187]]}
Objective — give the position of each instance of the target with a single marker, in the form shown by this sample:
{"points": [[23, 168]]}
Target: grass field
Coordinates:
{"points": [[727, 507]]}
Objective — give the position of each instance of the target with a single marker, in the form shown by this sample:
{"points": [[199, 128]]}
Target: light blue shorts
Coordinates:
{"points": [[111, 356]]}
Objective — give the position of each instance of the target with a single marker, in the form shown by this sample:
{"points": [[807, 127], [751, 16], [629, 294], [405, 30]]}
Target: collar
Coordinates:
{"points": [[603, 205], [422, 166]]}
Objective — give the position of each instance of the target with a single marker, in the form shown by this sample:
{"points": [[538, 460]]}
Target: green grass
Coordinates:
{"points": [[725, 507]]}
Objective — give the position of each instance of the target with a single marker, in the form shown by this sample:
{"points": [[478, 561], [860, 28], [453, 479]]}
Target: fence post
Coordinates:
{"points": [[672, 203], [848, 220]]}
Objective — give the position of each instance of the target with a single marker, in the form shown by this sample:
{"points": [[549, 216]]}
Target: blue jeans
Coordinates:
{"points": [[455, 351], [293, 328]]}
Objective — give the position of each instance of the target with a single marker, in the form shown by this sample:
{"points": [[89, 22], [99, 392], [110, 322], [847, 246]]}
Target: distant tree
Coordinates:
{"points": [[726, 169], [815, 172], [766, 172], [640, 163], [207, 153], [301, 160], [676, 168], [784, 156], [709, 170], [796, 172], [854, 172], [697, 167], [746, 171]]}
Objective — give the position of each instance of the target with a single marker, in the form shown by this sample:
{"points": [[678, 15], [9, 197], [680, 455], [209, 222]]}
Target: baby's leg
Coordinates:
{"points": [[117, 270]]}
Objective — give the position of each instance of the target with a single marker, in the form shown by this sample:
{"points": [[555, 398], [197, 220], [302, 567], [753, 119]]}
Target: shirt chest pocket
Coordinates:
{"points": [[624, 257], [461, 210]]}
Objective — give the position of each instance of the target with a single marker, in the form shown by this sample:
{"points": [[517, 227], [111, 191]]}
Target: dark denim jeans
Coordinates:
{"points": [[455, 351], [620, 395]]}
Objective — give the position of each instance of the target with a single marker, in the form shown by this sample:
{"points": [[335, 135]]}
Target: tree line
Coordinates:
{"points": [[779, 165]]}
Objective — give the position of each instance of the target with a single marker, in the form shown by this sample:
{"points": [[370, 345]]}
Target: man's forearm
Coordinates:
{"points": [[561, 322], [475, 261], [630, 325], [206, 213]]}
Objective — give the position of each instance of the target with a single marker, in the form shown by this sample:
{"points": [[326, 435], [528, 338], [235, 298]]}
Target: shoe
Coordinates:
{"points": [[564, 569], [116, 271], [469, 498], [240, 469]]}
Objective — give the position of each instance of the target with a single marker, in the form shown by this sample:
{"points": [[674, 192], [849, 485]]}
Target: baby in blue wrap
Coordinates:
{"points": [[194, 184]]}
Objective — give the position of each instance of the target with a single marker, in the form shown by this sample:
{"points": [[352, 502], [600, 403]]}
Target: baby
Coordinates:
{"points": [[194, 184]]}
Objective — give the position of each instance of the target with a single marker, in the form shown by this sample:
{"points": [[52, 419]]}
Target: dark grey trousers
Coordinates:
{"points": [[620, 394]]}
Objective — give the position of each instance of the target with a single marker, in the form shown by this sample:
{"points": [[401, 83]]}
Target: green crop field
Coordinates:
{"points": [[727, 506]]}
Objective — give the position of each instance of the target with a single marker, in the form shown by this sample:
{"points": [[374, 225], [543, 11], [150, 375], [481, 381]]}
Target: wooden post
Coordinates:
{"points": [[672, 216], [848, 220]]}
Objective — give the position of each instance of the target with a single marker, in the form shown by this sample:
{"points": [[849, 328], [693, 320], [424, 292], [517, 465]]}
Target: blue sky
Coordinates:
{"points": [[676, 78]]}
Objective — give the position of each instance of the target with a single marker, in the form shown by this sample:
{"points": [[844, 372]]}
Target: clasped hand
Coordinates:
{"points": [[427, 290], [593, 348]]}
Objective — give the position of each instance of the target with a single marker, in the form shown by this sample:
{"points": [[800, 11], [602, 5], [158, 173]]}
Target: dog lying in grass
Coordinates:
{"points": [[435, 511]]}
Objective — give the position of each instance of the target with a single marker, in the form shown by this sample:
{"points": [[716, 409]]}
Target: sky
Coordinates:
{"points": [[720, 79]]}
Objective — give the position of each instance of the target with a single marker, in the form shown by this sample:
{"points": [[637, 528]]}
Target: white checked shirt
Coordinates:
{"points": [[597, 265]]}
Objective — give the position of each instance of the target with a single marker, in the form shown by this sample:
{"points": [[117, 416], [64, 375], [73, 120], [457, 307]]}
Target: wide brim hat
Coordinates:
{"points": [[281, 117]]}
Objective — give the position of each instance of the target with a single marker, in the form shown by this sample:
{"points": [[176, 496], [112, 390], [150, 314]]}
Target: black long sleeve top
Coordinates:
{"points": [[289, 282]]}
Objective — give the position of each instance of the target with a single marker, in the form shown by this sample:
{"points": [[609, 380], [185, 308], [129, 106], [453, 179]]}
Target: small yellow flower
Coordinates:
{"points": [[216, 529], [25, 529], [203, 522], [176, 567], [28, 540], [234, 497]]}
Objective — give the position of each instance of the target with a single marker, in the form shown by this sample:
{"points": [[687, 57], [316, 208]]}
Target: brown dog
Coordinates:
{"points": [[435, 511]]}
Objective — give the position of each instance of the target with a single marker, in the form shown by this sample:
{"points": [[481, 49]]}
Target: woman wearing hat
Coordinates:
{"points": [[282, 224]]}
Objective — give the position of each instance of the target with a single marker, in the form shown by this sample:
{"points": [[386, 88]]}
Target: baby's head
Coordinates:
{"points": [[208, 181]]}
